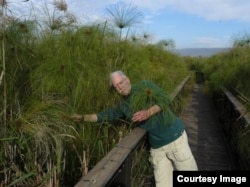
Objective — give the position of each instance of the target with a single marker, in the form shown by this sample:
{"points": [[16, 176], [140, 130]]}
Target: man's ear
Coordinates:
{"points": [[128, 80]]}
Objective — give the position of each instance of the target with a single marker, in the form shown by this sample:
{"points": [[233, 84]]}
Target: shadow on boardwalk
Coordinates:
{"points": [[205, 134]]}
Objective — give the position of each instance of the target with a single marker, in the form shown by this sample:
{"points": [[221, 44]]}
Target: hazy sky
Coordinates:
{"points": [[190, 23]]}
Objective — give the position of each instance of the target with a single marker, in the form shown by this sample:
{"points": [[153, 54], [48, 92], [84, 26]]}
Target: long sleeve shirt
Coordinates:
{"points": [[163, 127]]}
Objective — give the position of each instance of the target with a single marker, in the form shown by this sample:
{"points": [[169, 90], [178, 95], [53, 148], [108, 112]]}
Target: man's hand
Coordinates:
{"points": [[140, 116], [84, 117], [143, 115], [77, 117]]}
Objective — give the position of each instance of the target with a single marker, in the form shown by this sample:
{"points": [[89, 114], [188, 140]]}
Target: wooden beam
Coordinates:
{"points": [[104, 170], [238, 106]]}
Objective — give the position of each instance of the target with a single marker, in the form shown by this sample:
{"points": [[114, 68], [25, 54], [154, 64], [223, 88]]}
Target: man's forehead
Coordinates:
{"points": [[117, 78]]}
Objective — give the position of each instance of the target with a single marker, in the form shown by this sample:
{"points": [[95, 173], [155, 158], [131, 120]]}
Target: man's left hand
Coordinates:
{"points": [[141, 115]]}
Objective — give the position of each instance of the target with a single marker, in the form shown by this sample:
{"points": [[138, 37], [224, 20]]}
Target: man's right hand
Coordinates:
{"points": [[84, 117], [77, 117]]}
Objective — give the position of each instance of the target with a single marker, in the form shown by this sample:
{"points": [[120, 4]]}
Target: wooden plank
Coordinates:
{"points": [[205, 135], [131, 140], [178, 89], [105, 169], [238, 105]]}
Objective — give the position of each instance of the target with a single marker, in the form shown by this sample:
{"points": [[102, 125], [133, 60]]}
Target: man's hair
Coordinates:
{"points": [[119, 72]]}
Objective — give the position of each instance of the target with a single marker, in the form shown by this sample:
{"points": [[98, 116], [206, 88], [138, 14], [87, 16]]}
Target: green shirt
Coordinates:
{"points": [[163, 127]]}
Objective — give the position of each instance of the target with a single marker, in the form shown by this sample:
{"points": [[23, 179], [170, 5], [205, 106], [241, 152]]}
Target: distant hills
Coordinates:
{"points": [[203, 52]]}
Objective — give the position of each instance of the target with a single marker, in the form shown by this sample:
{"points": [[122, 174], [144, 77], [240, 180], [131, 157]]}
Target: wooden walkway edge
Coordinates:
{"points": [[206, 137]]}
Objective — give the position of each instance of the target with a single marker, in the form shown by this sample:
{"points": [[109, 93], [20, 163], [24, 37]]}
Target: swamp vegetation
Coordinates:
{"points": [[55, 67]]}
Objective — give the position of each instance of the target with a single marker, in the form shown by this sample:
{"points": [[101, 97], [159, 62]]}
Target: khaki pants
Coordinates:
{"points": [[175, 155]]}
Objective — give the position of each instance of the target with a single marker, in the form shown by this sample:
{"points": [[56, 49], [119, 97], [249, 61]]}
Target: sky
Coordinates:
{"points": [[189, 23]]}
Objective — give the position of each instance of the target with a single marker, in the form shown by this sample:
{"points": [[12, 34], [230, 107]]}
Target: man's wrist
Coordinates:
{"points": [[89, 118], [149, 113], [153, 110]]}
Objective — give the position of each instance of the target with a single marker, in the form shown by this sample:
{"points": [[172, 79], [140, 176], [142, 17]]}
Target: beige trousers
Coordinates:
{"points": [[175, 155]]}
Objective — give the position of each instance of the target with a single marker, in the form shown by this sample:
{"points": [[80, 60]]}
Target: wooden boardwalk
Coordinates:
{"points": [[205, 134]]}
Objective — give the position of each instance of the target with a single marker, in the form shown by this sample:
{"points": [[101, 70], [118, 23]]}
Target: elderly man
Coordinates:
{"points": [[147, 106]]}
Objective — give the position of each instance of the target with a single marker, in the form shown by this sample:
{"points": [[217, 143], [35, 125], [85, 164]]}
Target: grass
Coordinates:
{"points": [[54, 71]]}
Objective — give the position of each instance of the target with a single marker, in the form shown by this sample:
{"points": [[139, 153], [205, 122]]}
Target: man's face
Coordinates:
{"points": [[121, 84]]}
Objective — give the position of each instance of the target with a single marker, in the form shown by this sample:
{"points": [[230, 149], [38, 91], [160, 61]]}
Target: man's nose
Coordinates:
{"points": [[119, 86]]}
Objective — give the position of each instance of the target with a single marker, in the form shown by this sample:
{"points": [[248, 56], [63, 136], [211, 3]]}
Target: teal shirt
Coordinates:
{"points": [[163, 127]]}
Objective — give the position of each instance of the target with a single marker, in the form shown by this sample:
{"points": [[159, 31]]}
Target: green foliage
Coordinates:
{"points": [[142, 171], [230, 70], [124, 15], [243, 149], [58, 70]]}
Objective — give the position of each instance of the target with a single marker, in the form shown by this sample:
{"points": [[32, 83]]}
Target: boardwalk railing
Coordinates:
{"points": [[115, 168], [238, 107], [235, 119]]}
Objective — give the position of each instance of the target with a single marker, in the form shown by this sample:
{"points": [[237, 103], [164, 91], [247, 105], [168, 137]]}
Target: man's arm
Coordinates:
{"points": [[85, 117], [145, 114], [90, 117], [153, 110]]}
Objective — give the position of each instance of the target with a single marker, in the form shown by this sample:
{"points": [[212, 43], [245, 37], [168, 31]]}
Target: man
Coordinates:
{"points": [[147, 106]]}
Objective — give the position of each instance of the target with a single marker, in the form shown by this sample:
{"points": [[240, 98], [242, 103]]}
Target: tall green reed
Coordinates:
{"points": [[58, 71]]}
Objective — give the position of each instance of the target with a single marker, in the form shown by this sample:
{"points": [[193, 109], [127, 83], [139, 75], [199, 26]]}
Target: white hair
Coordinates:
{"points": [[119, 72]]}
